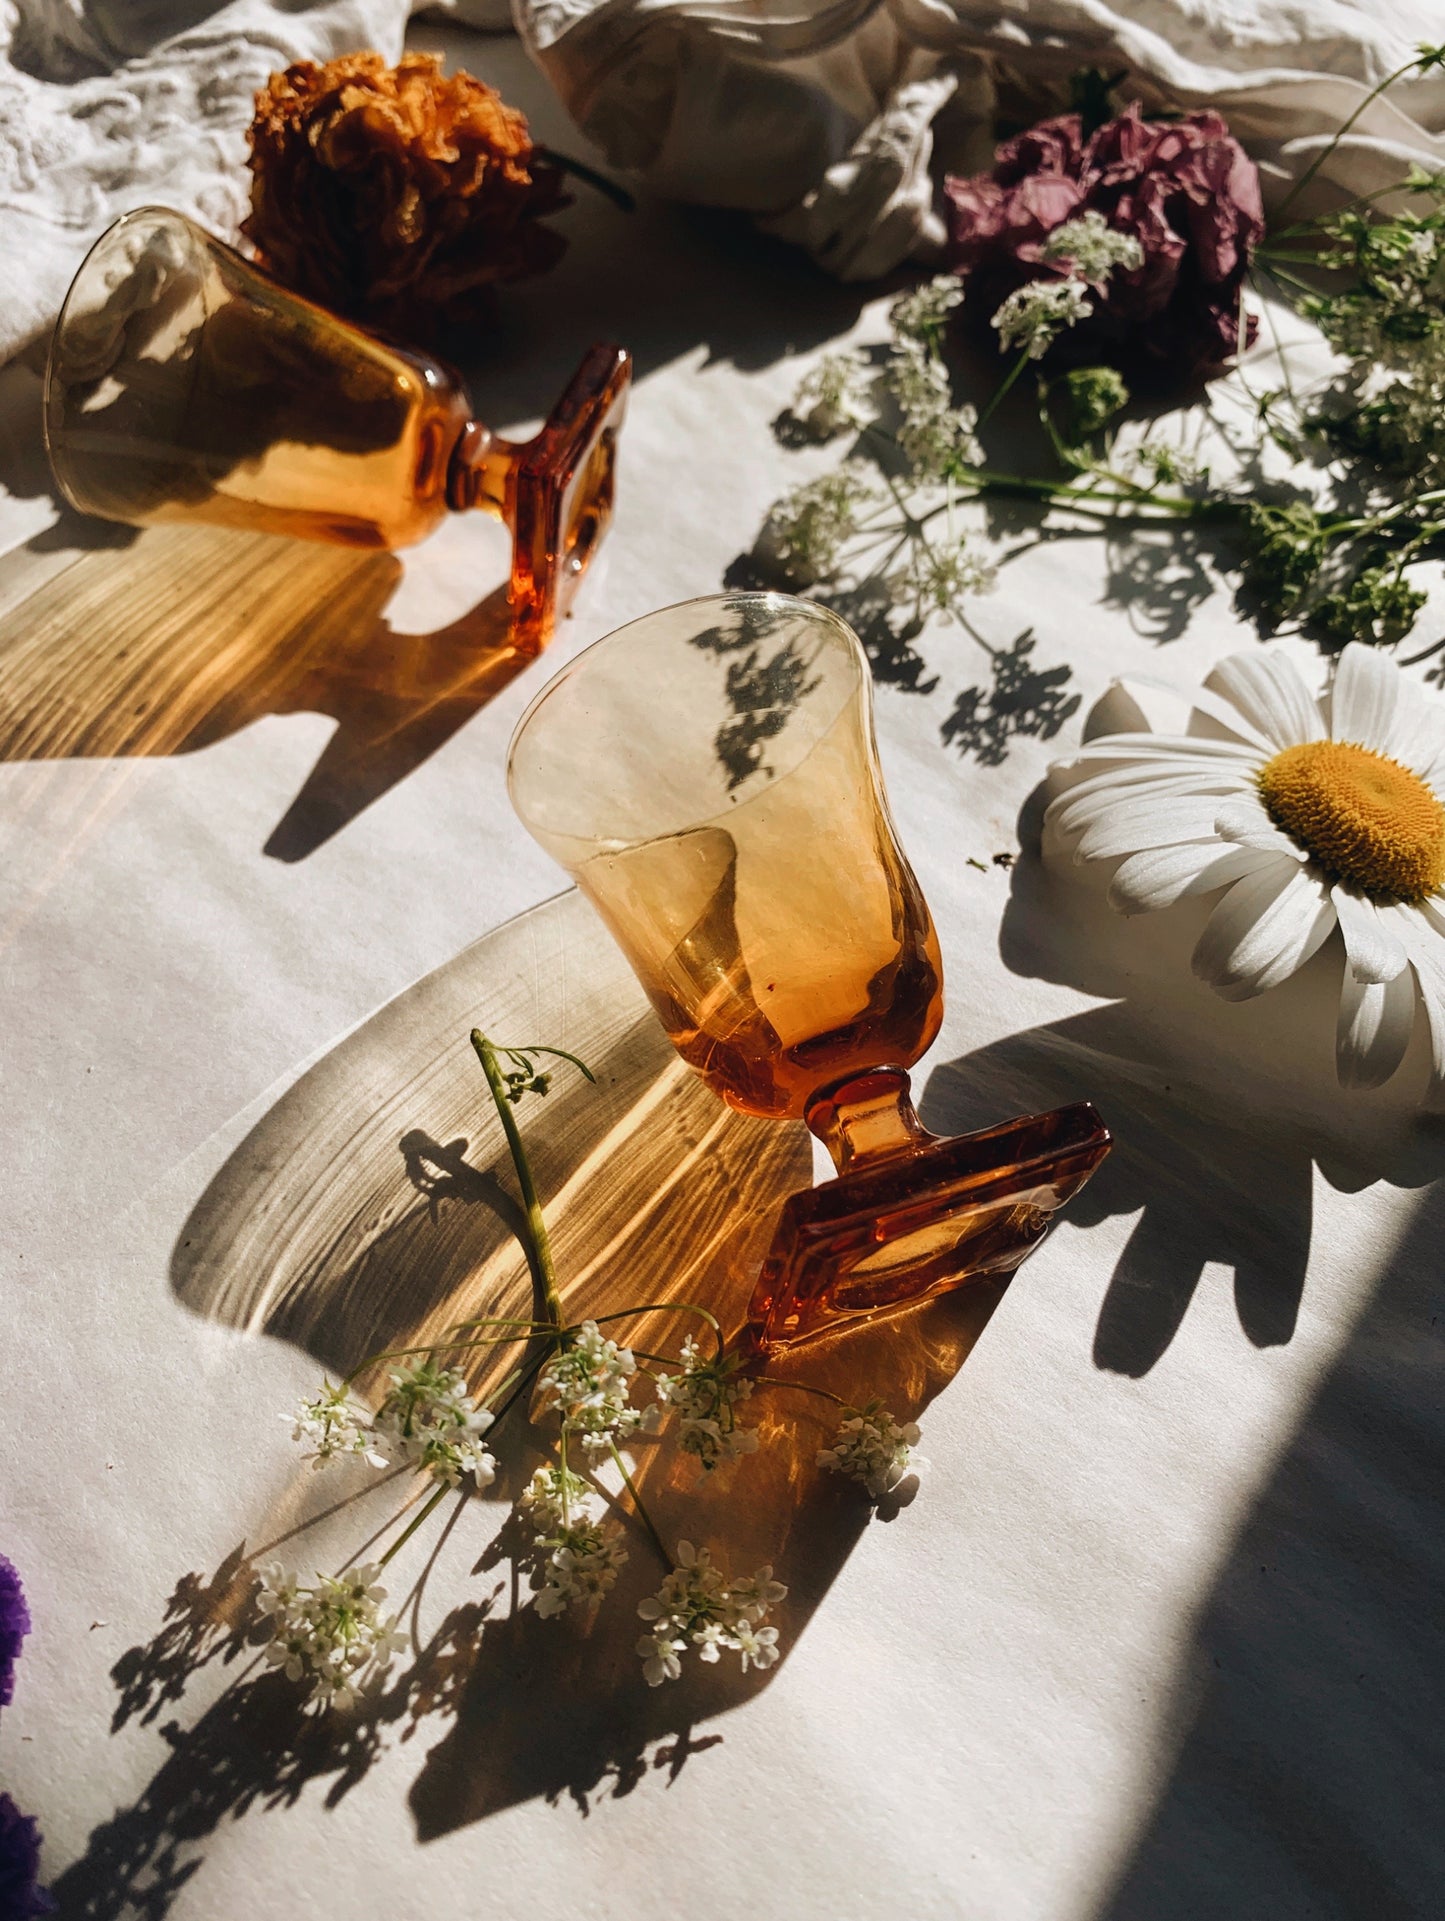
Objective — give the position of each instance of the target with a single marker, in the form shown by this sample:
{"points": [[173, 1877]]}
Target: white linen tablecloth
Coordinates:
{"points": [[1159, 1637]]}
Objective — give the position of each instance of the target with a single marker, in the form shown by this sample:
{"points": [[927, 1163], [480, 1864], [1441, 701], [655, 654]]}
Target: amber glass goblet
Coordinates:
{"points": [[184, 384], [708, 776]]}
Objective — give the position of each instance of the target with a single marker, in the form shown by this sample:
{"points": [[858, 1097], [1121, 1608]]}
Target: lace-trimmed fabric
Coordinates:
{"points": [[106, 104]]}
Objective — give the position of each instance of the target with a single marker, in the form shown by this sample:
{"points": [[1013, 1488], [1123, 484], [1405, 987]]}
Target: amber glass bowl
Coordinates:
{"points": [[708, 775], [184, 384]]}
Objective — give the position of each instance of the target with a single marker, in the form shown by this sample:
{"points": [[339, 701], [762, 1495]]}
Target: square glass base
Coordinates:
{"points": [[899, 1228]]}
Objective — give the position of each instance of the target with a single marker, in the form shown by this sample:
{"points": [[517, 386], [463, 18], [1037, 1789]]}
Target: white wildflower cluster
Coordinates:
{"points": [[334, 1424], [706, 1394], [1170, 465], [1033, 317], [582, 1563], [698, 1606], [576, 1557], [922, 314], [872, 1448], [552, 1496], [806, 530], [834, 396], [430, 1420], [588, 1384], [333, 1634], [936, 437], [937, 578], [1395, 316], [1092, 249]]}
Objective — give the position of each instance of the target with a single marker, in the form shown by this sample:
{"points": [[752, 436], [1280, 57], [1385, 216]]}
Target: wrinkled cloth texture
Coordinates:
{"points": [[823, 121], [1183, 189], [106, 105], [832, 124]]}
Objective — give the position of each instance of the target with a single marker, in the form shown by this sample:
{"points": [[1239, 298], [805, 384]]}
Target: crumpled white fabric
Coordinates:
{"points": [[108, 104], [818, 116]]}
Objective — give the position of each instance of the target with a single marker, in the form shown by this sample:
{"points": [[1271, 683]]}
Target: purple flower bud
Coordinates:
{"points": [[20, 1897], [14, 1626], [1184, 189]]}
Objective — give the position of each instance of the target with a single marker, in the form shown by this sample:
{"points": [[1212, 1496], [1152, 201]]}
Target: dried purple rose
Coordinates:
{"points": [[1184, 189], [20, 1897], [14, 1626]]}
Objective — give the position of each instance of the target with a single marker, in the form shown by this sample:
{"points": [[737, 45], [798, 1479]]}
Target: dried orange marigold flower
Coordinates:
{"points": [[397, 195]]}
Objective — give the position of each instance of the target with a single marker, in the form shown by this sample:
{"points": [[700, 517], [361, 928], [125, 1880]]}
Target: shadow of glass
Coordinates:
{"points": [[1220, 1112], [182, 635], [371, 1206], [1303, 1737]]}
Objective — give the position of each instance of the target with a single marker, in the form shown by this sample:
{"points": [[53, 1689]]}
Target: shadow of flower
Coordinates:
{"points": [[1221, 1113], [371, 1207]]}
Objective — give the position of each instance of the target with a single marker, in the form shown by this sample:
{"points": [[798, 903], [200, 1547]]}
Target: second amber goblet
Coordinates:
{"points": [[709, 777], [185, 384]]}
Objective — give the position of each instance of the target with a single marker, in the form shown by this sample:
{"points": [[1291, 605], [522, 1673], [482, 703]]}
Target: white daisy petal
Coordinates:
{"points": [[1422, 929], [1072, 812], [1365, 697], [1374, 952], [1203, 776], [1269, 692], [1192, 747], [1429, 763], [1375, 1024], [1159, 876], [1246, 821], [1263, 930], [1418, 738], [1131, 825]]}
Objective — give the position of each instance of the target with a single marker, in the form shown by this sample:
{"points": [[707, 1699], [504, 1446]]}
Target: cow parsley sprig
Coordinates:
{"points": [[698, 1606], [333, 1634], [588, 1385], [570, 1529], [875, 1450], [706, 1393]]}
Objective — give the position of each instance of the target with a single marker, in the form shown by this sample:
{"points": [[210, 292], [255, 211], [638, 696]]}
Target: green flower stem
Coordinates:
{"points": [[1098, 505], [436, 1347], [1356, 200], [325, 1514], [535, 1047], [637, 1502], [1401, 510], [805, 1387], [428, 1506], [501, 1320], [539, 1245], [1003, 386], [609, 189], [668, 1307], [1370, 98], [1284, 278], [525, 1377]]}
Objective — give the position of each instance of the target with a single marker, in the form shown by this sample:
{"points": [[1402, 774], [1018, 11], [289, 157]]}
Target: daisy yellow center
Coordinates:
{"points": [[1366, 820]]}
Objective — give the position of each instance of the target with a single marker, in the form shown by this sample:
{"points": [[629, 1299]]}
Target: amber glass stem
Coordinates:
{"points": [[478, 470], [866, 1117]]}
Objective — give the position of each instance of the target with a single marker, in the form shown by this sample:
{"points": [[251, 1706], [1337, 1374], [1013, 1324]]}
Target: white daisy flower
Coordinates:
{"points": [[1305, 815]]}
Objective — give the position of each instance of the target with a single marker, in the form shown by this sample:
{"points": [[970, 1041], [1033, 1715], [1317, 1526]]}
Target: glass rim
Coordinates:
{"points": [[569, 671], [47, 395]]}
